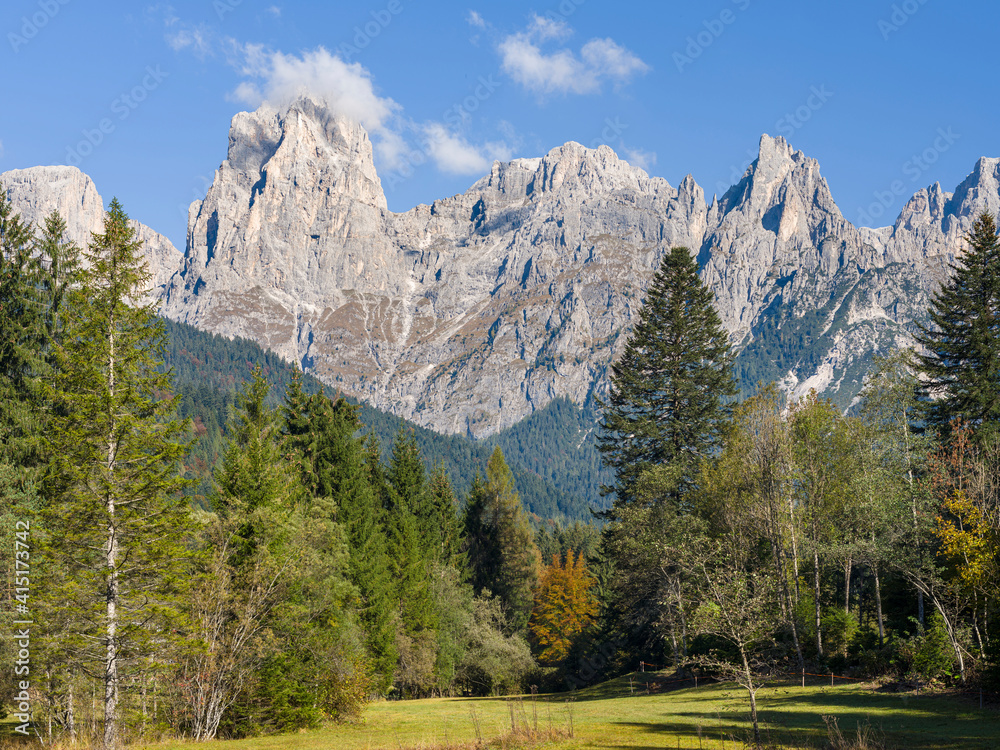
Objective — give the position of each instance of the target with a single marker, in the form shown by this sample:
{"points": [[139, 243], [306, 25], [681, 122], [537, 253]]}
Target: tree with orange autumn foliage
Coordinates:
{"points": [[564, 607]]}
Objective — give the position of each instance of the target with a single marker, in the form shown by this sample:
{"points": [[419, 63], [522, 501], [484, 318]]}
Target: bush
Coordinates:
{"points": [[839, 627], [934, 657], [494, 663]]}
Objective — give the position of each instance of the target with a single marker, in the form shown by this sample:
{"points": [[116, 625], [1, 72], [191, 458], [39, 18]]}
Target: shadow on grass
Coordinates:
{"points": [[905, 721]]}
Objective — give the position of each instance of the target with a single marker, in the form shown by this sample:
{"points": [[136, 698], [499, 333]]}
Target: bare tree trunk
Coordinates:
{"points": [[70, 718], [111, 563], [753, 698], [878, 607], [847, 584], [795, 548], [819, 615]]}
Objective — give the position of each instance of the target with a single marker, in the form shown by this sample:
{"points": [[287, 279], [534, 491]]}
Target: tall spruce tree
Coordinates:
{"points": [[335, 464], [21, 338], [115, 519], [961, 367], [667, 404], [503, 557]]}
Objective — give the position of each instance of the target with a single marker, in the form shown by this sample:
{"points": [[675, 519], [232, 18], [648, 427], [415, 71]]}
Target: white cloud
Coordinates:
{"points": [[615, 61], [280, 79], [275, 11], [1, 148], [645, 160], [474, 19], [197, 38], [542, 28], [453, 154], [562, 70]]}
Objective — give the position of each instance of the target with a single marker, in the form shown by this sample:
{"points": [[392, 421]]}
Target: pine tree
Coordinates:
{"points": [[335, 464], [446, 530], [961, 369], [21, 338], [407, 521], [503, 558], [116, 521], [667, 403]]}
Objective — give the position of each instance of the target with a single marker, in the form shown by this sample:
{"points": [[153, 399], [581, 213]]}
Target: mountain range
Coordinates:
{"points": [[468, 315]]}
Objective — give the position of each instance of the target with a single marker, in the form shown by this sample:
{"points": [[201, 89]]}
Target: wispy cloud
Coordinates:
{"points": [[563, 70], [196, 38], [645, 160], [280, 79], [474, 19], [453, 154]]}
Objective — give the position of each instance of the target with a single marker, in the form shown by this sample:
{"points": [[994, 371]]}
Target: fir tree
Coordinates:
{"points": [[667, 404], [115, 519], [503, 558], [335, 464], [961, 369], [21, 338], [445, 532], [407, 521]]}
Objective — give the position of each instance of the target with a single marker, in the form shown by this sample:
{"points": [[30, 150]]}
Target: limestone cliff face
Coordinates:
{"points": [[37, 192], [468, 314]]}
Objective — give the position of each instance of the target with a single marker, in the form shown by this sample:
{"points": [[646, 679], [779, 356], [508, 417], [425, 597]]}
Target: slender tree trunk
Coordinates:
{"points": [[111, 564], [51, 699], [70, 718], [847, 584], [753, 698], [819, 614], [878, 607], [680, 608], [795, 549]]}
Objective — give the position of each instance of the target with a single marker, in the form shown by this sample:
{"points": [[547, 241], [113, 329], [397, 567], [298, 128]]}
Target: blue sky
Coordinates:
{"points": [[888, 96]]}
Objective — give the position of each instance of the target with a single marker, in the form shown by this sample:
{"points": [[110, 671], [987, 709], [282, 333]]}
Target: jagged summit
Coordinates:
{"points": [[38, 191], [468, 314]]}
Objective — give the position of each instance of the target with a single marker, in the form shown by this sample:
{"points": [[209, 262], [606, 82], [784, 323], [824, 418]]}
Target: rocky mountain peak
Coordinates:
{"points": [[38, 191]]}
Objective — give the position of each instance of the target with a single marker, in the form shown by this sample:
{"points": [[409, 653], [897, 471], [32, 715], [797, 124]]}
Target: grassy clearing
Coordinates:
{"points": [[615, 715]]}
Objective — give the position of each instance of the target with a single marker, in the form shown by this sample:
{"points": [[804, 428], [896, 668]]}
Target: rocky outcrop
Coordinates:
{"points": [[468, 314], [38, 191]]}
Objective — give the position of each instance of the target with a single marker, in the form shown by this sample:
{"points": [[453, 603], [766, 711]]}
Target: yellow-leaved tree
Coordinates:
{"points": [[564, 607]]}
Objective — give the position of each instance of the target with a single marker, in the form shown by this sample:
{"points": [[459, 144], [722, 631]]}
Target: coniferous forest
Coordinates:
{"points": [[208, 543]]}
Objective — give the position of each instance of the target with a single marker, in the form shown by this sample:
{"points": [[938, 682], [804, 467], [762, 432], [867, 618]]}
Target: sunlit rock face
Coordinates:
{"points": [[468, 314]]}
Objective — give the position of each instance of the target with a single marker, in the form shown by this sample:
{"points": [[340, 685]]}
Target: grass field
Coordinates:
{"points": [[611, 716]]}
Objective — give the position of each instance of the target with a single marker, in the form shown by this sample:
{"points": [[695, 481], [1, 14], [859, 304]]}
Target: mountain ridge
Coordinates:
{"points": [[470, 313]]}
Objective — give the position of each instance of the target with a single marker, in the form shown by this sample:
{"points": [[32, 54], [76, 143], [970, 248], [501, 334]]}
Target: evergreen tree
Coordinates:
{"points": [[248, 572], [335, 464], [115, 519], [667, 404], [445, 532], [503, 558], [961, 369], [408, 519], [21, 339]]}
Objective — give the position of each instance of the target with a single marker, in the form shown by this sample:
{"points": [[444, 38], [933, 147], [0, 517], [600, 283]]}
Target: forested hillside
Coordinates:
{"points": [[551, 454]]}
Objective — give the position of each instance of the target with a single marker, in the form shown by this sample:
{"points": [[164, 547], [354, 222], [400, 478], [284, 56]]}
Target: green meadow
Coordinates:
{"points": [[618, 714]]}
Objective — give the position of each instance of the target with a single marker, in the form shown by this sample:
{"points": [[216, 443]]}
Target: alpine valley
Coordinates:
{"points": [[468, 315]]}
